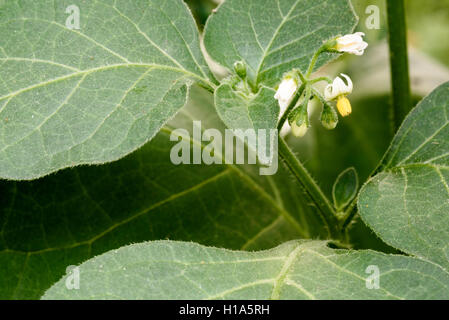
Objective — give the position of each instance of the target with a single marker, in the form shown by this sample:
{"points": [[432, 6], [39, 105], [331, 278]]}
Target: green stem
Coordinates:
{"points": [[351, 209], [206, 86], [291, 106], [327, 79], [315, 59], [311, 188], [398, 61], [348, 215], [319, 96], [301, 76]]}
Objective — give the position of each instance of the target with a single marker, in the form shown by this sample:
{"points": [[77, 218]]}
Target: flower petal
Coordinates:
{"points": [[349, 86]]}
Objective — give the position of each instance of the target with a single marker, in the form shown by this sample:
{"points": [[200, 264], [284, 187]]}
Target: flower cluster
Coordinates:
{"points": [[336, 90]]}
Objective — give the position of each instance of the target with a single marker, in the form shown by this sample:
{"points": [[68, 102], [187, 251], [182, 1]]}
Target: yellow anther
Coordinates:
{"points": [[344, 106]]}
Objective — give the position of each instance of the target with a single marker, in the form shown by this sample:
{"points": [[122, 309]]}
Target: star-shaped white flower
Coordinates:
{"points": [[338, 90]]}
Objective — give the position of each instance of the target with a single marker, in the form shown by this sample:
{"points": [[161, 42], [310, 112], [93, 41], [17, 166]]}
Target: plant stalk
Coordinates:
{"points": [[314, 60], [311, 188], [400, 81], [291, 106]]}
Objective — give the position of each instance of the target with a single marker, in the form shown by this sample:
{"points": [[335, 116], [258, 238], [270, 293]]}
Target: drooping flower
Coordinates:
{"points": [[338, 90], [286, 92], [352, 43]]}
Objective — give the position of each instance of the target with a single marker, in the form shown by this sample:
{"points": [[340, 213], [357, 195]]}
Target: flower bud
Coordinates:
{"points": [[299, 121], [352, 43], [240, 69], [329, 117], [299, 131]]}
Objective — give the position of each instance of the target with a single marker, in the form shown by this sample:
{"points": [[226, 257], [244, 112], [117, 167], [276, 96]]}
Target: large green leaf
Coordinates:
{"points": [[294, 270], [274, 36], [76, 214], [407, 203], [70, 97]]}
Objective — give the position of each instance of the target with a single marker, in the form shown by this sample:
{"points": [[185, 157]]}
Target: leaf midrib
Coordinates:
{"points": [[104, 68], [159, 48], [102, 46], [284, 20]]}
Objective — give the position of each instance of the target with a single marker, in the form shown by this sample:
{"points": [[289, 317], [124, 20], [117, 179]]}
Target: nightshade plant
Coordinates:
{"points": [[113, 91]]}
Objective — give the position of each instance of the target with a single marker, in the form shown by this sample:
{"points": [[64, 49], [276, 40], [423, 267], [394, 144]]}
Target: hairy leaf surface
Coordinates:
{"points": [[275, 36], [294, 270], [256, 112], [76, 214], [90, 95], [407, 203]]}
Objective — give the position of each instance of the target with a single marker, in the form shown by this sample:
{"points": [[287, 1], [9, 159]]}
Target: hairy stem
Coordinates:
{"points": [[348, 215], [311, 188], [291, 106], [315, 59], [398, 61], [327, 79]]}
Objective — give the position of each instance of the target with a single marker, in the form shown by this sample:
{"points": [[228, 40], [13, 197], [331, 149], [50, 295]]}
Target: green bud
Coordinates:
{"points": [[299, 131], [240, 69], [299, 116], [299, 121], [329, 117]]}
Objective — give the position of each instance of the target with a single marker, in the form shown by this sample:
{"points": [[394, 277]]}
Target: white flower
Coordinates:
{"points": [[352, 43], [338, 88], [286, 92]]}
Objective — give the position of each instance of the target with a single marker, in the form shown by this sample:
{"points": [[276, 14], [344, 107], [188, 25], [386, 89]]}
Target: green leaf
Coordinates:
{"points": [[294, 270], [407, 203], [255, 112], [275, 36], [76, 214], [345, 188], [93, 95]]}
